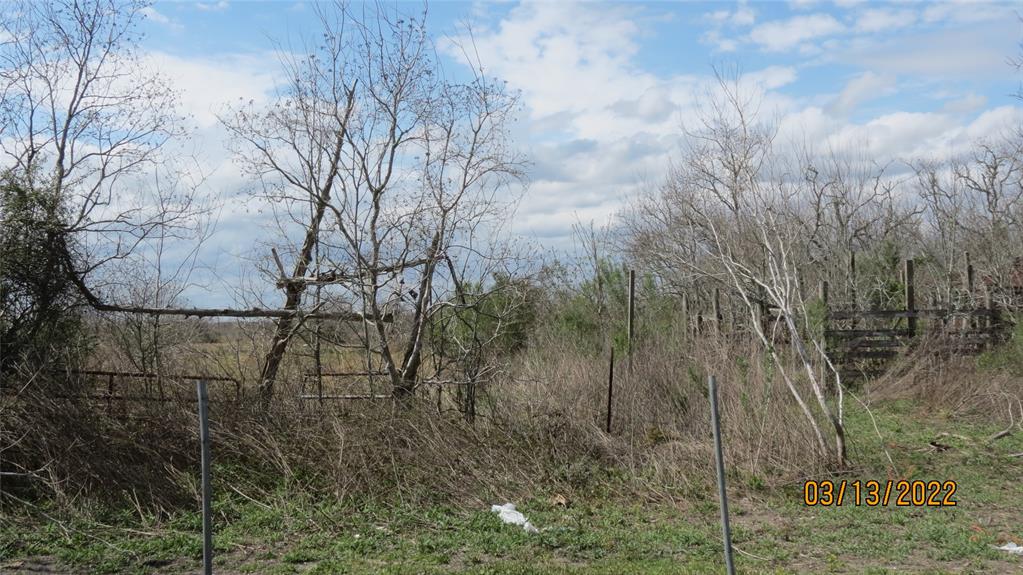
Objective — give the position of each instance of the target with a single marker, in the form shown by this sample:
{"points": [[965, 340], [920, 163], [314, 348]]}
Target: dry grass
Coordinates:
{"points": [[982, 389], [660, 412], [540, 427]]}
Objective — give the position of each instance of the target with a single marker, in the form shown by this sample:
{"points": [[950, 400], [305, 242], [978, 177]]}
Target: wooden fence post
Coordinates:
{"points": [[852, 281], [110, 392], [852, 286], [717, 312], [969, 275], [685, 316], [989, 323], [971, 321], [910, 295]]}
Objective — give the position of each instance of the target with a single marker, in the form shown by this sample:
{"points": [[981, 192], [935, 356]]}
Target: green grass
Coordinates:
{"points": [[602, 533]]}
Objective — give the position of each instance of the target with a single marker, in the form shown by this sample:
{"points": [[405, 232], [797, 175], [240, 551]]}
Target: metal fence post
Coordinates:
{"points": [[726, 531], [610, 386], [632, 313], [207, 492], [910, 288]]}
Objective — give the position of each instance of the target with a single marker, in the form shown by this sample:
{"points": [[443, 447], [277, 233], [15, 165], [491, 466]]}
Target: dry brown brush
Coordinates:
{"points": [[538, 431]]}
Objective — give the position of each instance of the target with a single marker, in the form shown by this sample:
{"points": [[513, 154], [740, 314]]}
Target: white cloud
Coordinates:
{"points": [[773, 77], [158, 17], [719, 41], [806, 127], [994, 122], [883, 20], [968, 12], [897, 135], [914, 135], [213, 7], [968, 104], [802, 4], [575, 66], [554, 52], [578, 70], [718, 16], [970, 52], [865, 87], [781, 35], [583, 85], [742, 17], [207, 84]]}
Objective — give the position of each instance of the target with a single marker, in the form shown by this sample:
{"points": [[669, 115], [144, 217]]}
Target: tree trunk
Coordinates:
{"points": [[293, 290]]}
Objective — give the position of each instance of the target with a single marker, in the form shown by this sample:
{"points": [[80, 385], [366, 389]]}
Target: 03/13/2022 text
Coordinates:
{"points": [[901, 493]]}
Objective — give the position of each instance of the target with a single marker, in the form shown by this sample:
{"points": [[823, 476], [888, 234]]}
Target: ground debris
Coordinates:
{"points": [[509, 514]]}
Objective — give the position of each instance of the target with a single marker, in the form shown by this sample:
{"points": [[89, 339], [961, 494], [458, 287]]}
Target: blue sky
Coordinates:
{"points": [[607, 88]]}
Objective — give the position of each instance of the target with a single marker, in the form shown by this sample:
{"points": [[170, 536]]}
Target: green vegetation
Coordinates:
{"points": [[37, 297], [607, 530], [1009, 356], [597, 309]]}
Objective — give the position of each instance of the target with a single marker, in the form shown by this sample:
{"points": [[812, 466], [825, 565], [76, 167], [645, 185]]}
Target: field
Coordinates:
{"points": [[607, 526]]}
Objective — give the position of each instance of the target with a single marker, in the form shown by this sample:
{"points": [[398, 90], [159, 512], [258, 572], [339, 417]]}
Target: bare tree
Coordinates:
{"points": [[734, 213], [160, 271], [974, 203], [387, 168], [80, 115]]}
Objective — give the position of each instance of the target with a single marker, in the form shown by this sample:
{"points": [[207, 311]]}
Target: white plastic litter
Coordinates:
{"points": [[508, 514], [1011, 547]]}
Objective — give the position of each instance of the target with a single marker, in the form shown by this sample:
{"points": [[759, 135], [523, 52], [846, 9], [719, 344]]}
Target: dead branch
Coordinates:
{"points": [[243, 313]]}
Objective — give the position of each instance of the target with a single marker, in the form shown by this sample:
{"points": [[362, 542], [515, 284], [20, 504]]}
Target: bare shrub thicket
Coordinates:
{"points": [[766, 222], [734, 214], [540, 431], [973, 205]]}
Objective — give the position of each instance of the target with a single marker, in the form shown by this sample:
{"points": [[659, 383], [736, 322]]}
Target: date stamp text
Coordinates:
{"points": [[901, 493]]}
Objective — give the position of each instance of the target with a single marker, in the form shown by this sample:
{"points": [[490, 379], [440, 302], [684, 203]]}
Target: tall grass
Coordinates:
{"points": [[540, 428]]}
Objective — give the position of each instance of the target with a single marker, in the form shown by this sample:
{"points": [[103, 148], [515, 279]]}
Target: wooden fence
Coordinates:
{"points": [[863, 341]]}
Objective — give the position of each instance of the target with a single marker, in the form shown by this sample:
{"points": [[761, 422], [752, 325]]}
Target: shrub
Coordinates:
{"points": [[39, 317]]}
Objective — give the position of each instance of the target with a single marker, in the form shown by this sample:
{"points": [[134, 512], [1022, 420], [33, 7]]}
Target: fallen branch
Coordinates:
{"points": [[1008, 430], [245, 313], [1003, 433]]}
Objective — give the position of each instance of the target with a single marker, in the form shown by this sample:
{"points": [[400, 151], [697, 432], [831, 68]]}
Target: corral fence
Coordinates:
{"points": [[863, 341]]}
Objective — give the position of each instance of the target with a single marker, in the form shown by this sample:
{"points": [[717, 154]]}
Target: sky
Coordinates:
{"points": [[608, 89]]}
